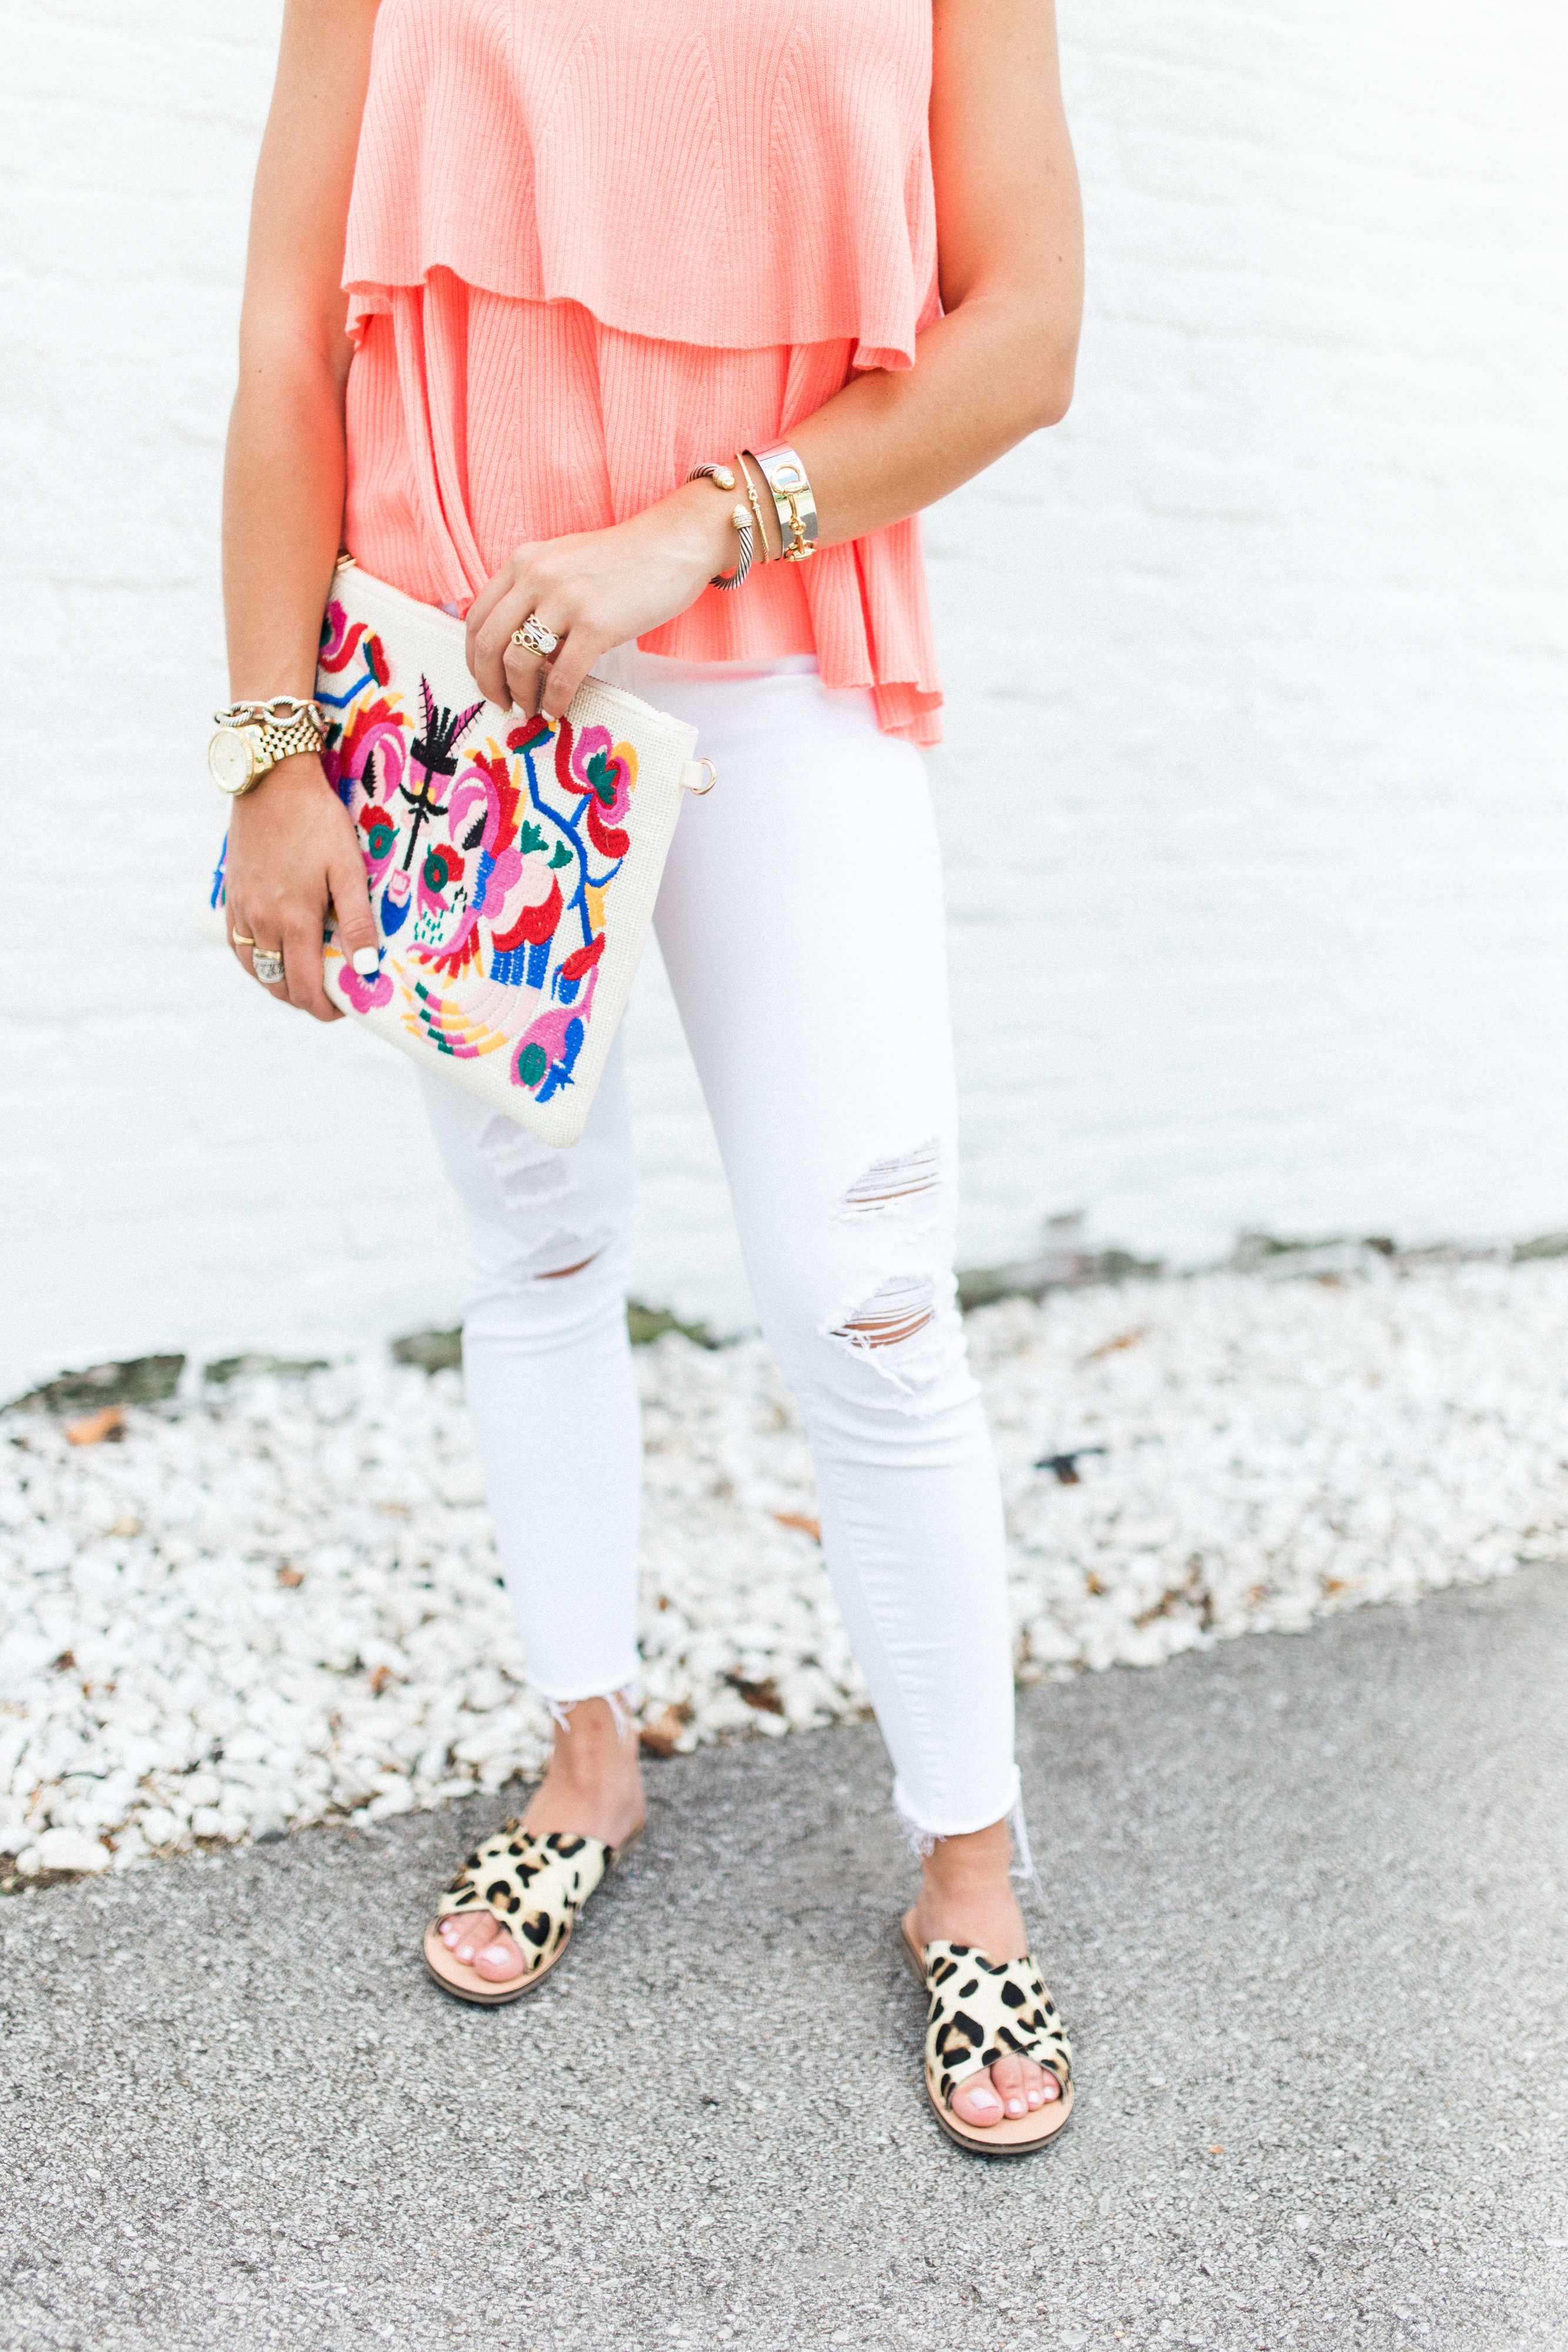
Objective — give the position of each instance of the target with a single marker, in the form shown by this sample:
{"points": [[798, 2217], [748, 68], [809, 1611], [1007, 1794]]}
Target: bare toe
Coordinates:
{"points": [[1023, 2085], [501, 1958], [475, 1930], [1040, 2084], [975, 2101], [1007, 2081]]}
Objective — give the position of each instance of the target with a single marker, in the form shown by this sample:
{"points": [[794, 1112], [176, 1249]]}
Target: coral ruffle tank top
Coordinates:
{"points": [[594, 243]]}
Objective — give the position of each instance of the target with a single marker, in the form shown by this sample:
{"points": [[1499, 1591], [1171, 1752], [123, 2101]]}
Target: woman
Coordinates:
{"points": [[589, 247]]}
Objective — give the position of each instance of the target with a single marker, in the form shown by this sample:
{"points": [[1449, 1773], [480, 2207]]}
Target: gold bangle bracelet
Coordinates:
{"points": [[765, 556]]}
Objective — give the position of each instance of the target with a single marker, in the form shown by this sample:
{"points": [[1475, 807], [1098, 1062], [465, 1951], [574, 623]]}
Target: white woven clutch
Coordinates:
{"points": [[513, 864]]}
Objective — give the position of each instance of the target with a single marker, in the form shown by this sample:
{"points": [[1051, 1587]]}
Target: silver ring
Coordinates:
{"points": [[267, 965], [537, 637]]}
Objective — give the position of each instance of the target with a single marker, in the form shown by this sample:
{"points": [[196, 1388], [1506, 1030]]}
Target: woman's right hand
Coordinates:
{"points": [[292, 853]]}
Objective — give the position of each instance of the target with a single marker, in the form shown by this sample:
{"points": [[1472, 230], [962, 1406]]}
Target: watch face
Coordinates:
{"points": [[230, 757]]}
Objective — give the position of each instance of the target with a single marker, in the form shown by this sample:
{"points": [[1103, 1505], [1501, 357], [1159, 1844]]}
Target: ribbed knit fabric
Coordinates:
{"points": [[594, 243]]}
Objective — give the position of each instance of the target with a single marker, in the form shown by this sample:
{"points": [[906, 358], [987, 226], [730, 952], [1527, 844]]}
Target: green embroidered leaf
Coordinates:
{"points": [[562, 855], [530, 838]]}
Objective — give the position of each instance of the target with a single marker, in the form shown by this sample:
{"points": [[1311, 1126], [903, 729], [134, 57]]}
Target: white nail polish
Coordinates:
{"points": [[1015, 2106], [366, 962]]}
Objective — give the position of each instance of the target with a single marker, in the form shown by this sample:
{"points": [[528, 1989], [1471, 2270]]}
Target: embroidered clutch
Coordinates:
{"points": [[513, 864]]}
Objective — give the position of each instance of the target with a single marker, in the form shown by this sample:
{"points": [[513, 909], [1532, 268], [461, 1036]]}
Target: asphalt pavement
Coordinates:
{"points": [[1304, 1917]]}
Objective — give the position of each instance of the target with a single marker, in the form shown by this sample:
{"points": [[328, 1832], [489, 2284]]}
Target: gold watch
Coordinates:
{"points": [[253, 737]]}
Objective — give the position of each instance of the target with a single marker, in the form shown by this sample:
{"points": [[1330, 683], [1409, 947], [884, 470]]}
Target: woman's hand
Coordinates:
{"points": [[292, 852], [595, 590]]}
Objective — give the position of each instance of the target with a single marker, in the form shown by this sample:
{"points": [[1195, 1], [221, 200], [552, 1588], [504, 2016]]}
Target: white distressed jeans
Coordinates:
{"points": [[801, 920]]}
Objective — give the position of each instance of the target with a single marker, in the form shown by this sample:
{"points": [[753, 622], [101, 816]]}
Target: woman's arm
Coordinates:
{"points": [[994, 367], [998, 364], [291, 844]]}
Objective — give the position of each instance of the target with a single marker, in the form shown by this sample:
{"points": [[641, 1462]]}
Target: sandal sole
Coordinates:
{"points": [[987, 2143], [484, 1995]]}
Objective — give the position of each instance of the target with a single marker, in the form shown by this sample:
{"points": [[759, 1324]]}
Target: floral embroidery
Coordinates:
{"points": [[488, 863], [339, 644], [365, 994], [604, 773]]}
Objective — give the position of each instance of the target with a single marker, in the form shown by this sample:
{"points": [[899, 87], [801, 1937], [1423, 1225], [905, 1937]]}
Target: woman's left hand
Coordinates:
{"points": [[595, 590]]}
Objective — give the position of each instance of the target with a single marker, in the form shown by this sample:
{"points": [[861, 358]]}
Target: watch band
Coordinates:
{"points": [[273, 730], [280, 742]]}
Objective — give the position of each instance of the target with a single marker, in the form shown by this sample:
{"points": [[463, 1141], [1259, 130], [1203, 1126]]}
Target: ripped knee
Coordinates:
{"points": [[897, 1311], [560, 1273], [907, 1176]]}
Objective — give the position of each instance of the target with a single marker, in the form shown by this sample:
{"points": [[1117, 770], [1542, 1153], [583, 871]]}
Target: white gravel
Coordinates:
{"points": [[276, 1600]]}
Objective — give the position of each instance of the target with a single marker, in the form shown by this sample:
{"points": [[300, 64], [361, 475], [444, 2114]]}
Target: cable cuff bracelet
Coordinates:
{"points": [[739, 516], [796, 507]]}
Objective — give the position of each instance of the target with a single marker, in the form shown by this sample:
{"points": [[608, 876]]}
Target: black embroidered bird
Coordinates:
{"points": [[432, 752]]}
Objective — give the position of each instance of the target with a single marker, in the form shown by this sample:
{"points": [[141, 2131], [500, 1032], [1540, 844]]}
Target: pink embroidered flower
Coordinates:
{"points": [[339, 643], [482, 811], [605, 774], [365, 994], [370, 756], [554, 1038]]}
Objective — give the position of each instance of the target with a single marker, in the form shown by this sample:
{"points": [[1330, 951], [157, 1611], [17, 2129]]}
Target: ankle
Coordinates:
{"points": [[591, 1775], [591, 1748], [981, 1858]]}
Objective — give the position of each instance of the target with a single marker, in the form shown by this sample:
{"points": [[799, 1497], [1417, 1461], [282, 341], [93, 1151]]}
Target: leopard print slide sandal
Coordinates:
{"points": [[536, 1888], [979, 2011]]}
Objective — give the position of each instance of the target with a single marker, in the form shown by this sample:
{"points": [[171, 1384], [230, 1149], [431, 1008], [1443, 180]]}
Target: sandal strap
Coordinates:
{"points": [[981, 2009], [533, 1885]]}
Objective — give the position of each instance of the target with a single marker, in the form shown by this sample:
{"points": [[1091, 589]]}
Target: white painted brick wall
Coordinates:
{"points": [[1254, 799]]}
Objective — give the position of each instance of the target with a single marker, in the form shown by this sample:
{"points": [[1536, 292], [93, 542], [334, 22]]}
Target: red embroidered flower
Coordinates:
{"points": [[533, 924], [603, 772]]}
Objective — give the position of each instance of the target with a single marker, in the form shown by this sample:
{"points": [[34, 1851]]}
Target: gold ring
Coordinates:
{"points": [[537, 637], [242, 940]]}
